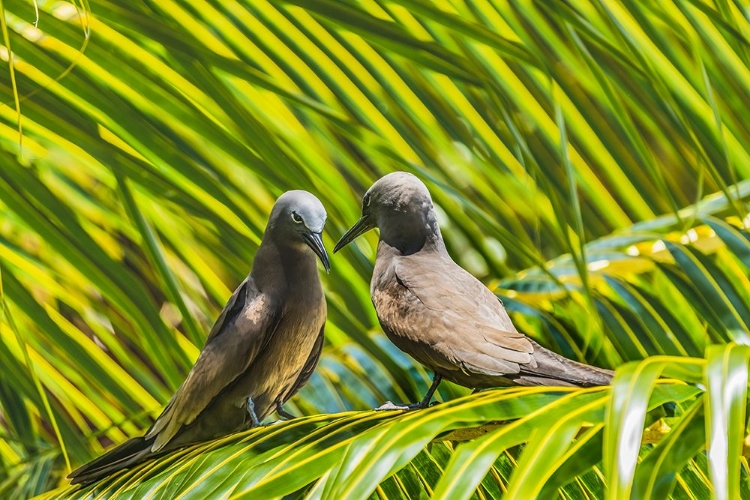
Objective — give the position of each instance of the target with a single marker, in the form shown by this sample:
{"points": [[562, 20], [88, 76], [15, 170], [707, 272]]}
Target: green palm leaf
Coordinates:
{"points": [[350, 454]]}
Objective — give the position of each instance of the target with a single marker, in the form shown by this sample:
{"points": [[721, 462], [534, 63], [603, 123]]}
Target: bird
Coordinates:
{"points": [[437, 312], [262, 349]]}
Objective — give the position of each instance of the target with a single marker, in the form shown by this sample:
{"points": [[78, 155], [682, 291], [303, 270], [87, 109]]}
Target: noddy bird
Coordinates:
{"points": [[437, 312], [262, 349]]}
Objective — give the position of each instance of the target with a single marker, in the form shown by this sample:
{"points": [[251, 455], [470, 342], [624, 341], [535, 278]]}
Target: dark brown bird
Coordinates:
{"points": [[437, 312], [261, 351]]}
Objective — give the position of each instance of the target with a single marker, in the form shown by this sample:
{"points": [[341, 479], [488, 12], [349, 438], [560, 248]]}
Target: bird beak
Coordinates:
{"points": [[315, 241], [362, 226]]}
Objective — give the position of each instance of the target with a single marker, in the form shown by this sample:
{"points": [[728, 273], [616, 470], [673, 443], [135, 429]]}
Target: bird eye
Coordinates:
{"points": [[366, 200], [296, 218]]}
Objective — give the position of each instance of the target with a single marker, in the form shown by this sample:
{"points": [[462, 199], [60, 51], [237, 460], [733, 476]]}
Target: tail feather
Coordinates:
{"points": [[129, 453], [553, 369]]}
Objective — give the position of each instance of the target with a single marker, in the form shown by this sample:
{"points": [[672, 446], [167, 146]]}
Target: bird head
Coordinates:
{"points": [[400, 205], [299, 217]]}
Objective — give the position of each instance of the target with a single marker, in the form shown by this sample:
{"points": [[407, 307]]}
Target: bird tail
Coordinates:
{"points": [[129, 453], [553, 369]]}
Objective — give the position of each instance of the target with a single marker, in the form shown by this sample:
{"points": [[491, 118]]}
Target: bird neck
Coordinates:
{"points": [[283, 268], [411, 232]]}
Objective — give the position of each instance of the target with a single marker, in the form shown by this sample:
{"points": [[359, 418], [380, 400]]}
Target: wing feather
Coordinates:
{"points": [[239, 334], [308, 369], [449, 319]]}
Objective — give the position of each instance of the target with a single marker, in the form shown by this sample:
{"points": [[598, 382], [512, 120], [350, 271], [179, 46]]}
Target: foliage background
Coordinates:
{"points": [[589, 161]]}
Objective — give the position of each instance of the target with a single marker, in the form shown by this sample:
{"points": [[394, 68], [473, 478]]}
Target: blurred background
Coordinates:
{"points": [[588, 160]]}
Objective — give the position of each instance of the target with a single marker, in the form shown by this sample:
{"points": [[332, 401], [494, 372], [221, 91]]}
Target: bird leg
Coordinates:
{"points": [[282, 412], [416, 406], [251, 411], [436, 379]]}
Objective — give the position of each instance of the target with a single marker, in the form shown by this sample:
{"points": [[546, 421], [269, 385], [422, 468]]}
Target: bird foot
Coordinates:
{"points": [[388, 405], [251, 411], [283, 413]]}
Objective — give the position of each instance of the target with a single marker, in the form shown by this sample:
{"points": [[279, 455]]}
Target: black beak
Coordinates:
{"points": [[362, 226], [315, 241]]}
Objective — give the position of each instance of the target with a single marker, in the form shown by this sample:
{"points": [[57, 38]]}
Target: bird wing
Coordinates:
{"points": [[450, 318], [239, 334], [308, 369]]}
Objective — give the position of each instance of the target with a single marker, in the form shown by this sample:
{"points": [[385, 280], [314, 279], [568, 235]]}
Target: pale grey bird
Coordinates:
{"points": [[262, 349], [437, 312]]}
